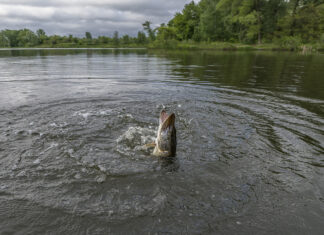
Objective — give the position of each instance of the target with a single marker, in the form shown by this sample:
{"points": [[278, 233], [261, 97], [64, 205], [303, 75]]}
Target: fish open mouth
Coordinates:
{"points": [[163, 116], [167, 120]]}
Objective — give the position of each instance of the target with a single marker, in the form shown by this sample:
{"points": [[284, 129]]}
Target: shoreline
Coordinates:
{"points": [[216, 46], [71, 48]]}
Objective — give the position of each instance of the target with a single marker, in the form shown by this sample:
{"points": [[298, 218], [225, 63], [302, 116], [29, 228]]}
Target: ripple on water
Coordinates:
{"points": [[236, 152], [49, 167]]}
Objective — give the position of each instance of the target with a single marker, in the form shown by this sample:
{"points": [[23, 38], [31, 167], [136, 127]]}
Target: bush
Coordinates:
{"points": [[165, 44], [4, 41], [322, 38], [289, 42]]}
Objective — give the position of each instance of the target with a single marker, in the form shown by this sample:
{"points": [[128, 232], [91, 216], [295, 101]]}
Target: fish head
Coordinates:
{"points": [[166, 141]]}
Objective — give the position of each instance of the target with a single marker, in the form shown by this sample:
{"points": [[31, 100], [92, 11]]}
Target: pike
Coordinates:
{"points": [[166, 141]]}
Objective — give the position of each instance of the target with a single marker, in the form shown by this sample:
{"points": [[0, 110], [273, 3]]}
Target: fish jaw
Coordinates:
{"points": [[166, 137]]}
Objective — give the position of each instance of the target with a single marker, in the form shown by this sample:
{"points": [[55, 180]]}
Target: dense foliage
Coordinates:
{"points": [[287, 23], [27, 38], [247, 21]]}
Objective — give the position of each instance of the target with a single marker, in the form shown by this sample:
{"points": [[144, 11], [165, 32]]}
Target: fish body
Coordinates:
{"points": [[166, 140]]}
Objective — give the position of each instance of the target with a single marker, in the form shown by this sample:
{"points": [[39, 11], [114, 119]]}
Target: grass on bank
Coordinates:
{"points": [[101, 45], [286, 45]]}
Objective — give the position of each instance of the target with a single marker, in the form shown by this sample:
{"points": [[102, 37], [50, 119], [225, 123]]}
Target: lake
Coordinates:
{"points": [[250, 131]]}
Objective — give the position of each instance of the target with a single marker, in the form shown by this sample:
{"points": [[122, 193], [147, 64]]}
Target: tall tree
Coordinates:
{"points": [[4, 40], [149, 30], [12, 36], [304, 19], [116, 38], [27, 38], [186, 23], [41, 35], [88, 35], [125, 39], [141, 38], [212, 24], [273, 11]]}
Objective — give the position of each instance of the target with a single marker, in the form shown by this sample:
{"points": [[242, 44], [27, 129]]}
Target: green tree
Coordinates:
{"points": [[179, 23], [12, 36], [4, 40], [303, 19], [54, 39], [149, 30], [250, 20], [166, 33], [248, 17], [141, 38], [40, 32], [186, 23], [125, 39], [103, 39], [88, 35], [27, 38], [41, 35], [212, 22], [70, 38], [116, 38], [273, 11], [309, 23]]}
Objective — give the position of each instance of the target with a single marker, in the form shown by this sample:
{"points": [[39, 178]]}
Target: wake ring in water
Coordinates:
{"points": [[134, 140]]}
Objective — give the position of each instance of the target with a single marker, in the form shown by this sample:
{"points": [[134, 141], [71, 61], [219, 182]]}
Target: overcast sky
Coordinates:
{"points": [[100, 17]]}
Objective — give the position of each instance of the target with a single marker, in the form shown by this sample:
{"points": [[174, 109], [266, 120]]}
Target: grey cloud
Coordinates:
{"points": [[100, 17]]}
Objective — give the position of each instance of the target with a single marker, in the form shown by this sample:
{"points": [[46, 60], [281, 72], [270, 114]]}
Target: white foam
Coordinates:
{"points": [[137, 134], [50, 147], [134, 139], [22, 173], [77, 176], [125, 116], [101, 178], [85, 115], [105, 112], [102, 168], [160, 106]]}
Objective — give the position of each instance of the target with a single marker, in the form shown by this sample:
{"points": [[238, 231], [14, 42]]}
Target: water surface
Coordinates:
{"points": [[250, 153]]}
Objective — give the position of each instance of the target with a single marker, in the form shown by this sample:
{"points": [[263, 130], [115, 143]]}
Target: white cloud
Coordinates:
{"points": [[100, 17]]}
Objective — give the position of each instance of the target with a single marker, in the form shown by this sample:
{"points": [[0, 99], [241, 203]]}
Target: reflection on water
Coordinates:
{"points": [[73, 124], [287, 72]]}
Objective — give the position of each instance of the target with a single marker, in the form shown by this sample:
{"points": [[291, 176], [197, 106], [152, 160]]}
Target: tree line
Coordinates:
{"points": [[247, 21], [290, 22], [28, 38]]}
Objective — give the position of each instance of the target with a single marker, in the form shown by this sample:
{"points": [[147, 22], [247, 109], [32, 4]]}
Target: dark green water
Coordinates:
{"points": [[250, 155]]}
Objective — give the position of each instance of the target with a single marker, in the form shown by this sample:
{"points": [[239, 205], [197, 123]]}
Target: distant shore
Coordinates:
{"points": [[185, 46], [237, 46]]}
